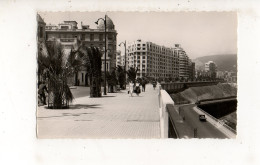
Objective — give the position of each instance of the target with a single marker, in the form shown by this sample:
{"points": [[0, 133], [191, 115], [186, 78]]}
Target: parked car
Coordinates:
{"points": [[202, 118]]}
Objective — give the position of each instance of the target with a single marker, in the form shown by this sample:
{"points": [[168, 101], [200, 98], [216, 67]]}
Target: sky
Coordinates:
{"points": [[199, 33]]}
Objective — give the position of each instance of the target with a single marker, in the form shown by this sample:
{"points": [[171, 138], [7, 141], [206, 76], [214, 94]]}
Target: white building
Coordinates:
{"points": [[157, 61]]}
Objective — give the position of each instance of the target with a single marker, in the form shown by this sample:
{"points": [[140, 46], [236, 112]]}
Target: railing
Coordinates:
{"points": [[79, 30], [181, 85]]}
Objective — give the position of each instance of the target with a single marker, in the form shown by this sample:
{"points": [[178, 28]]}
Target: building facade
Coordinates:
{"points": [[70, 36], [211, 68], [157, 61], [118, 58]]}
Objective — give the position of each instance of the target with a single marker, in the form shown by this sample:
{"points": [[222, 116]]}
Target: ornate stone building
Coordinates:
{"points": [[69, 35]]}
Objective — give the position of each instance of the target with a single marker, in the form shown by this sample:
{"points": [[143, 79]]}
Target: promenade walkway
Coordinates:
{"points": [[116, 115]]}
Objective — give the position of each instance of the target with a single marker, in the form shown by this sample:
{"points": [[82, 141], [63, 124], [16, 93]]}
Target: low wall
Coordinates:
{"points": [[177, 127], [171, 123], [183, 85], [231, 133], [164, 100]]}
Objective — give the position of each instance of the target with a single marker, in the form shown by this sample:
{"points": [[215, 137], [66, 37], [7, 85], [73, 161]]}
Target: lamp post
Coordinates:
{"points": [[124, 43], [105, 23]]}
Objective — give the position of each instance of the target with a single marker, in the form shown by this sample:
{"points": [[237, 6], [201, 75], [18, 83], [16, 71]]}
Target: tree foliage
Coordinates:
{"points": [[121, 76], [53, 68], [131, 73], [112, 80], [91, 59]]}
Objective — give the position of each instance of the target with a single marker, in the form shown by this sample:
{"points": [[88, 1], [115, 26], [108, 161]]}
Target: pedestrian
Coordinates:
{"points": [[131, 88], [41, 91], [137, 88], [143, 85], [154, 84]]}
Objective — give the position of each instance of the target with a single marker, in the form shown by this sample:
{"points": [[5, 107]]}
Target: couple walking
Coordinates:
{"points": [[135, 88]]}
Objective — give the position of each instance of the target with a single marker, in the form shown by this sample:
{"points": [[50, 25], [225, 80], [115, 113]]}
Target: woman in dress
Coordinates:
{"points": [[131, 88]]}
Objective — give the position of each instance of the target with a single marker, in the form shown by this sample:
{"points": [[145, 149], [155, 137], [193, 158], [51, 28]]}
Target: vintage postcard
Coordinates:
{"points": [[118, 75]]}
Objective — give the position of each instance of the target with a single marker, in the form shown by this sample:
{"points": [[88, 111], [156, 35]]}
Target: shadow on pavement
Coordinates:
{"points": [[65, 114], [105, 96], [84, 106]]}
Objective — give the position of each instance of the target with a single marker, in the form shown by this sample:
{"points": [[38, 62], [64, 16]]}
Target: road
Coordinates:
{"points": [[204, 129]]}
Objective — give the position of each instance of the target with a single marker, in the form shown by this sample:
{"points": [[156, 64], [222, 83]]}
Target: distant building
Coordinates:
{"points": [[202, 74], [220, 74], [182, 62], [157, 61], [210, 66], [118, 58], [192, 70], [231, 77], [69, 35], [123, 61]]}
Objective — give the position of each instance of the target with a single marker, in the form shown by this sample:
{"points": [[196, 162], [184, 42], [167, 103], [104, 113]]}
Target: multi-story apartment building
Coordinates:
{"points": [[191, 68], [70, 36], [184, 62], [157, 61]]}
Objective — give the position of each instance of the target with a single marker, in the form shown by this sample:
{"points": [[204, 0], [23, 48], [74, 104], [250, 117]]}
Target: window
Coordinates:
{"points": [[110, 37], [91, 37]]}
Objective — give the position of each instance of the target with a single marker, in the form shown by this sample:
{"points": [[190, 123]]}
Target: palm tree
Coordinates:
{"points": [[112, 80], [91, 59], [53, 65], [131, 73], [75, 63], [121, 76]]}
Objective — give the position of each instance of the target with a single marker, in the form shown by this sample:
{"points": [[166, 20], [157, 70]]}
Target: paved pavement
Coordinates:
{"points": [[116, 115], [80, 91], [204, 129]]}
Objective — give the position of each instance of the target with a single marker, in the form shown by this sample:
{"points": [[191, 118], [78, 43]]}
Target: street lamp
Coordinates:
{"points": [[105, 22], [124, 43]]}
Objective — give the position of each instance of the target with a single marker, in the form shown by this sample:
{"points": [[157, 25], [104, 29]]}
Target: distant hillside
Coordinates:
{"points": [[224, 62]]}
